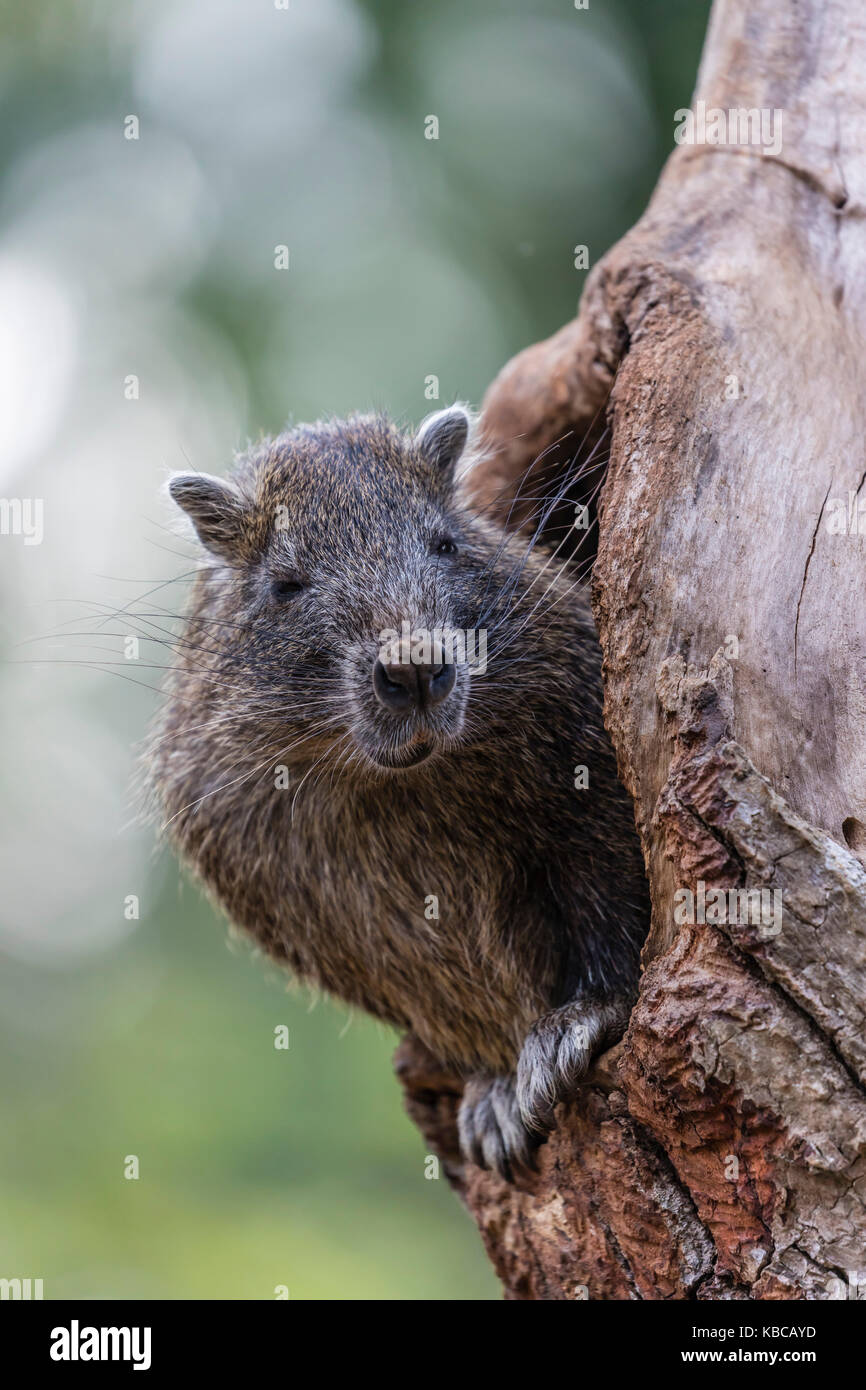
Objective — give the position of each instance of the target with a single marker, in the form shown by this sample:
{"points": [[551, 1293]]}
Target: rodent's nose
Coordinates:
{"points": [[402, 686]]}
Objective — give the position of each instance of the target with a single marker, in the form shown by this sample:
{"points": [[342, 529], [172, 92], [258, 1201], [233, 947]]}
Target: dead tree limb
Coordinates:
{"points": [[718, 1151]]}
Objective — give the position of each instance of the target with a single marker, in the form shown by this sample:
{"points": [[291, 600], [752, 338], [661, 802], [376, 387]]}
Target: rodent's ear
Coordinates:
{"points": [[442, 437], [215, 508]]}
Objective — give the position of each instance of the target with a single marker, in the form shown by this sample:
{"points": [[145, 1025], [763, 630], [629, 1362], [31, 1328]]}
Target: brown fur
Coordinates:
{"points": [[542, 902]]}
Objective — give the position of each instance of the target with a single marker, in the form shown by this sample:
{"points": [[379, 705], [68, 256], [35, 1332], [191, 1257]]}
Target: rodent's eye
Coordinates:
{"points": [[443, 545], [286, 588]]}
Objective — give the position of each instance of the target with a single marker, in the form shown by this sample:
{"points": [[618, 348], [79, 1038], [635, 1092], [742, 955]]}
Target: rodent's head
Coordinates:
{"points": [[346, 579]]}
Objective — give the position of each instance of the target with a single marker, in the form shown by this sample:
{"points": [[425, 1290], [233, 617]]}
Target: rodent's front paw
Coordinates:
{"points": [[492, 1134], [557, 1053]]}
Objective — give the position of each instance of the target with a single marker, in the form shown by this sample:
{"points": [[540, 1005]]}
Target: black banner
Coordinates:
{"points": [[151, 1338]]}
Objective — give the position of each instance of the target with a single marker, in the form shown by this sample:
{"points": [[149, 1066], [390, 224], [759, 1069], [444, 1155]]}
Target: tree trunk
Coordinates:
{"points": [[718, 1151]]}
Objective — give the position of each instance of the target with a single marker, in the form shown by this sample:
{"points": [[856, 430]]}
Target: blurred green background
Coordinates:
{"points": [[153, 259]]}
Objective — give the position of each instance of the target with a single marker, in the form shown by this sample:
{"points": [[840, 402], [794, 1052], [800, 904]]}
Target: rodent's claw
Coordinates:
{"points": [[492, 1134], [503, 1119], [556, 1056]]}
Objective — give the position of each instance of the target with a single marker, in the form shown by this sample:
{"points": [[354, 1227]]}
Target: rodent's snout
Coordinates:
{"points": [[408, 699], [404, 686]]}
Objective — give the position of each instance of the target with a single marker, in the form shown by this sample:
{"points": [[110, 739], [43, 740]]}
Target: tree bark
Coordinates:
{"points": [[718, 1151]]}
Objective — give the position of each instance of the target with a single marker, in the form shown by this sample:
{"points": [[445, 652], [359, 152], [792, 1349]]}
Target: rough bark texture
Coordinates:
{"points": [[718, 1151]]}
